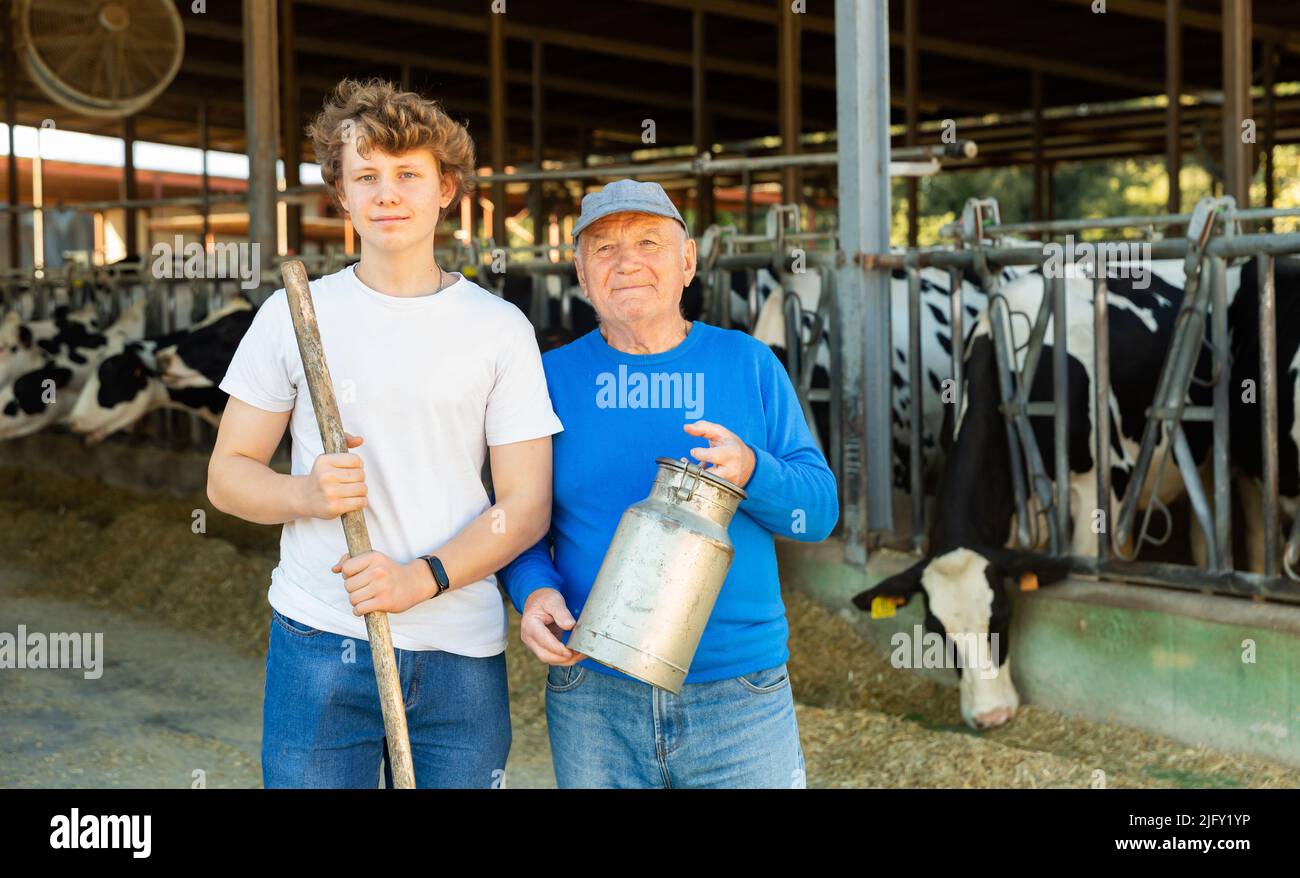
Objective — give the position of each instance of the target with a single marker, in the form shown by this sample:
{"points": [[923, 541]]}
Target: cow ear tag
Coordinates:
{"points": [[882, 606], [1029, 581]]}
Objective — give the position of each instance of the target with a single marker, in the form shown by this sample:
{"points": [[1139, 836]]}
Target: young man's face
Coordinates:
{"points": [[394, 200]]}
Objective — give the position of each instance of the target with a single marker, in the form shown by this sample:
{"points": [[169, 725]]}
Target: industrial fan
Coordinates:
{"points": [[105, 58]]}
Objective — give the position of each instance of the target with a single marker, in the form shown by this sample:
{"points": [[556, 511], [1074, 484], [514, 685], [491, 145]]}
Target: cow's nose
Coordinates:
{"points": [[991, 719]]}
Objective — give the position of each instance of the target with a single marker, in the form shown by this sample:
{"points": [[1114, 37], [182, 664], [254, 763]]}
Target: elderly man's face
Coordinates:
{"points": [[634, 266]]}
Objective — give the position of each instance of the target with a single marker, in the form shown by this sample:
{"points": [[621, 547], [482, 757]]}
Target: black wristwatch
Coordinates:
{"points": [[439, 574]]}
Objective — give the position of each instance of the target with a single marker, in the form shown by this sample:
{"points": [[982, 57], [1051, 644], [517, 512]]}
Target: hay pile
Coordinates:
{"points": [[863, 722]]}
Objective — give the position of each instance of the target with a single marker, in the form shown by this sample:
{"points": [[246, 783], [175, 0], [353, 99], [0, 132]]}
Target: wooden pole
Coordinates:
{"points": [[1173, 92], [131, 230], [354, 523], [788, 97], [290, 127], [261, 102], [497, 110]]}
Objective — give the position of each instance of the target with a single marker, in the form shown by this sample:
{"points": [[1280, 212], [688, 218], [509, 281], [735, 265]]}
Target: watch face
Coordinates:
{"points": [[439, 574]]}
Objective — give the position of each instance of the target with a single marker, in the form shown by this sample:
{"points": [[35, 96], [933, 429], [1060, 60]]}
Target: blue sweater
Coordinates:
{"points": [[619, 414]]}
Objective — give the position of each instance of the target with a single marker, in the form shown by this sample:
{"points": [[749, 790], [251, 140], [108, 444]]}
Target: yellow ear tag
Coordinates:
{"points": [[1029, 581], [882, 607]]}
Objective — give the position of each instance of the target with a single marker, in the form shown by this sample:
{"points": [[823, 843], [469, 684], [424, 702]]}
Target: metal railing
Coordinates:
{"points": [[1213, 240]]}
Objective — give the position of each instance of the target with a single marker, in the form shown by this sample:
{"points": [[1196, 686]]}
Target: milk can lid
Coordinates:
{"points": [[683, 464]]}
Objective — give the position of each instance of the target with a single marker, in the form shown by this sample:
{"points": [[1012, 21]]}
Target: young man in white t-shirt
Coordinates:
{"points": [[432, 373]]}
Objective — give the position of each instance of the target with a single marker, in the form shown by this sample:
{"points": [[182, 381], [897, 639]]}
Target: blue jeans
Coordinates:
{"points": [[322, 725], [609, 731]]}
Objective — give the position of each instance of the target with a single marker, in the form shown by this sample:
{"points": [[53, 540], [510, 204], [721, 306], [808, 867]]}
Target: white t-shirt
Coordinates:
{"points": [[429, 382]]}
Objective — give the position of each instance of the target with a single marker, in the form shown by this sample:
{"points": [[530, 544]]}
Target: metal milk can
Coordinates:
{"points": [[660, 577]]}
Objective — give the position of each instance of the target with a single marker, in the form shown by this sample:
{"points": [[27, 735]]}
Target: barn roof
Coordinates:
{"points": [[608, 66]]}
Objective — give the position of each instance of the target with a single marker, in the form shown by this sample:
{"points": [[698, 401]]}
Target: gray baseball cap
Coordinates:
{"points": [[626, 195]]}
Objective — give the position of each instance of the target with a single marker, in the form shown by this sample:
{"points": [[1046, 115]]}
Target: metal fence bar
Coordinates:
{"points": [[1268, 414], [1121, 222], [1061, 422], [1227, 247], [1219, 339], [1101, 395], [956, 308], [915, 376]]}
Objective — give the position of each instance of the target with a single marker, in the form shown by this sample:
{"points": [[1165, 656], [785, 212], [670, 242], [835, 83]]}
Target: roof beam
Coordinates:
{"points": [[1206, 21]]}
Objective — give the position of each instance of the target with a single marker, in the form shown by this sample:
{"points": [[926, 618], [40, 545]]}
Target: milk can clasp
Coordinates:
{"points": [[693, 471]]}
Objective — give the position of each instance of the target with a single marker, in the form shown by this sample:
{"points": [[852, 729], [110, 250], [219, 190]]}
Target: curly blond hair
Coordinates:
{"points": [[381, 116]]}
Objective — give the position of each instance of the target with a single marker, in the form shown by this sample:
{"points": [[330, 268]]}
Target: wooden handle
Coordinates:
{"points": [[354, 523]]}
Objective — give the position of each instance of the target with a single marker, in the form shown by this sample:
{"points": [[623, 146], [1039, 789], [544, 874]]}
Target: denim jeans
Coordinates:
{"points": [[322, 725], [609, 731]]}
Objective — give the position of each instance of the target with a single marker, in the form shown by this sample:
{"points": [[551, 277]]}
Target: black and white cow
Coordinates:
{"points": [[127, 386], [199, 357], [46, 394], [1245, 447], [961, 579], [24, 346]]}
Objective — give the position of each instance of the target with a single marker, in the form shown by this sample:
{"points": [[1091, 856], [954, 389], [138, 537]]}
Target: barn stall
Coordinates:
{"points": [[802, 147]]}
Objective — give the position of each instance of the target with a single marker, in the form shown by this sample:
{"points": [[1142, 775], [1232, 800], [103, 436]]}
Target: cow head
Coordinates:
{"points": [[966, 603]]}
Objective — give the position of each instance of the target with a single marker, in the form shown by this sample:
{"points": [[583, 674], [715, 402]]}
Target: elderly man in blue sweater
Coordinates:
{"points": [[734, 723]]}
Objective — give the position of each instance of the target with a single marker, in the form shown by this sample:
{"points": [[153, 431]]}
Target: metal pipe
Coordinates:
{"points": [[1061, 393], [1002, 348], [1121, 222], [1236, 69], [862, 114], [1268, 413], [1227, 247], [1220, 341], [1196, 498], [918, 392], [706, 165], [118, 203], [11, 121], [1173, 94], [1101, 414], [956, 306]]}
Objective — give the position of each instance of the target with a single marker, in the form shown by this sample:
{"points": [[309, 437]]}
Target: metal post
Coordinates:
{"points": [[700, 122], [788, 63], [958, 313], [261, 95], [205, 182], [911, 95], [1036, 100], [1270, 124], [128, 187], [497, 108], [862, 114], [1173, 93], [917, 403], [1268, 401], [539, 136], [1061, 399], [1236, 99], [291, 128], [1101, 395], [747, 182], [1222, 390], [11, 120]]}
